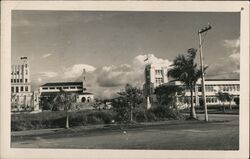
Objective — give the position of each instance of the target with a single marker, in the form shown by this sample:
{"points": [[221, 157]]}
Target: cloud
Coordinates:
{"points": [[46, 55], [48, 74], [139, 61], [117, 76], [76, 70], [235, 43], [45, 76], [229, 66]]}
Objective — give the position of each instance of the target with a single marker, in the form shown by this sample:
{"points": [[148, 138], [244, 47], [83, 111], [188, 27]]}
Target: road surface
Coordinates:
{"points": [[222, 133]]}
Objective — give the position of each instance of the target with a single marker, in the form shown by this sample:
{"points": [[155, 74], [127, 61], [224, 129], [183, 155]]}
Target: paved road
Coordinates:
{"points": [[194, 135]]}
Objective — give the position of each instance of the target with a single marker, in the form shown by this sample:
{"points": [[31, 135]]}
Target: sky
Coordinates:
{"points": [[112, 46]]}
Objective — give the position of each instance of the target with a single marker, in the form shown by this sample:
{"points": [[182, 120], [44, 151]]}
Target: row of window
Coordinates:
{"points": [[71, 87], [18, 80], [208, 100], [158, 72], [227, 88], [158, 80], [19, 72], [17, 89]]}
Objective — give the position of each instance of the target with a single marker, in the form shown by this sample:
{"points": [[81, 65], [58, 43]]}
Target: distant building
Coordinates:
{"points": [[49, 90], [212, 87], [21, 94], [155, 75]]}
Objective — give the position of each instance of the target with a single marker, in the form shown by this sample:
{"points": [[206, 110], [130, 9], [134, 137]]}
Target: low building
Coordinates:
{"points": [[212, 87], [48, 91]]}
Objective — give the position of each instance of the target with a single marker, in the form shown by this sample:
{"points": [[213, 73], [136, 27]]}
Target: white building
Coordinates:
{"points": [[49, 90], [212, 87], [21, 94], [155, 75]]}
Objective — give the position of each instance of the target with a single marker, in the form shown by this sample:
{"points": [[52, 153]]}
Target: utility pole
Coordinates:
{"points": [[202, 69]]}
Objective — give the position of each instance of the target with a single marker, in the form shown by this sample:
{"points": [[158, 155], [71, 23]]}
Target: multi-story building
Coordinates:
{"points": [[212, 87], [155, 75], [49, 90], [21, 94]]}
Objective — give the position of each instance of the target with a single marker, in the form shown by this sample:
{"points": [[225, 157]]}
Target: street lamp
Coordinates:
{"points": [[202, 69]]}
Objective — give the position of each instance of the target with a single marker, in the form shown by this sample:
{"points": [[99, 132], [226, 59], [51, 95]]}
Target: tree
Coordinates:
{"points": [[128, 100], [64, 100], [223, 97], [167, 94], [237, 101], [230, 99], [185, 69]]}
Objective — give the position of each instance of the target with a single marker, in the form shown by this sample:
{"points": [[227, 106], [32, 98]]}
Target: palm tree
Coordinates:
{"points": [[185, 69], [65, 101]]}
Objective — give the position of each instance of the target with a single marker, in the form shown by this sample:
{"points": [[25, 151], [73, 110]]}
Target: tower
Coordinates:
{"points": [[25, 70], [84, 85]]}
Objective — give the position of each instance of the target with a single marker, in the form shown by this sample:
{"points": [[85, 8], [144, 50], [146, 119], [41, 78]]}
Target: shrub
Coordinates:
{"points": [[165, 112], [57, 119]]}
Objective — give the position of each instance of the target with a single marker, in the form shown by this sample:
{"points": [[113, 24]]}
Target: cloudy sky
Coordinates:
{"points": [[112, 46]]}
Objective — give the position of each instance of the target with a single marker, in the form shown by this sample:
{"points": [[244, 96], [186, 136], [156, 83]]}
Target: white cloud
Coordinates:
{"points": [[140, 60], [117, 76], [48, 74], [46, 55], [234, 43], [44, 76], [229, 66], [76, 70]]}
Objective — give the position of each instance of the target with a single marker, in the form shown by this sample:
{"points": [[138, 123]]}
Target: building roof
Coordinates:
{"points": [[51, 94], [62, 83], [85, 93], [222, 79]]}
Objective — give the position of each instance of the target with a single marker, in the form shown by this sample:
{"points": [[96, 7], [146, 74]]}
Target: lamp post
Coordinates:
{"points": [[202, 69]]}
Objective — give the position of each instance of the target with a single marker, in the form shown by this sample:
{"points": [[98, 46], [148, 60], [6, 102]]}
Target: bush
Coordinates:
{"points": [[53, 119], [165, 112]]}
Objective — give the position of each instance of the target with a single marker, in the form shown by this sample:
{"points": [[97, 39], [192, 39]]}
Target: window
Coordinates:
{"points": [[79, 87], [52, 88], [238, 88], [12, 89], [21, 88], [17, 89], [88, 100], [26, 88], [26, 72], [17, 80], [65, 87], [72, 87], [11, 80], [21, 80], [45, 88], [26, 80], [83, 99], [14, 80], [212, 100]]}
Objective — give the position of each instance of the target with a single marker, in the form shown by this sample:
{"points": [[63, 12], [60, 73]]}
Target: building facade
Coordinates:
{"points": [[49, 91], [212, 87], [22, 98], [155, 75]]}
